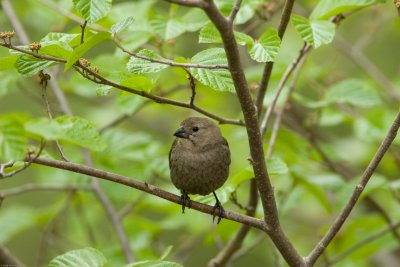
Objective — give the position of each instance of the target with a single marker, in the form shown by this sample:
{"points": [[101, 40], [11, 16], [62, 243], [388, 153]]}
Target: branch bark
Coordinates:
{"points": [[341, 218], [145, 187]]}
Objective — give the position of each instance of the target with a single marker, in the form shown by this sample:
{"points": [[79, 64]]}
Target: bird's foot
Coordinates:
{"points": [[185, 201], [219, 209]]}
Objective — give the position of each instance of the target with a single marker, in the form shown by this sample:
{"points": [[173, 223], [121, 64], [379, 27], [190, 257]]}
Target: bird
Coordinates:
{"points": [[199, 161]]}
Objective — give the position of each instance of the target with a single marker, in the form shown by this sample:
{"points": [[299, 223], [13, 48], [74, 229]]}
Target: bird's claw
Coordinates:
{"points": [[220, 211], [185, 201]]}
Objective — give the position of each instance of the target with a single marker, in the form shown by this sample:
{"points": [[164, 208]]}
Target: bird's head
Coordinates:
{"points": [[198, 132]]}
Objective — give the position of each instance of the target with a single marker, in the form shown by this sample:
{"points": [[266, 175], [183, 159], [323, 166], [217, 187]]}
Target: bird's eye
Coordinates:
{"points": [[195, 129]]}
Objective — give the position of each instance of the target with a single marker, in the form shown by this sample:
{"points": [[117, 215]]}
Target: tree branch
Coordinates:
{"points": [[303, 52], [341, 218], [234, 11], [362, 243], [188, 3], [170, 62], [41, 187], [145, 187], [254, 137], [262, 89]]}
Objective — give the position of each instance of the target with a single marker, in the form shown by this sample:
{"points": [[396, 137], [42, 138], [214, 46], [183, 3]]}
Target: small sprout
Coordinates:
{"points": [[35, 47], [84, 62], [10, 34], [95, 69], [3, 35]]}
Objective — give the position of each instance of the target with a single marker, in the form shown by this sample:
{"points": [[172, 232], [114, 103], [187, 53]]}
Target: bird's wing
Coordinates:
{"points": [[227, 151], [170, 151]]}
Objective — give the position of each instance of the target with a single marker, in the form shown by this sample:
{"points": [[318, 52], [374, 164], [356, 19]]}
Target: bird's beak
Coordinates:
{"points": [[181, 133]]}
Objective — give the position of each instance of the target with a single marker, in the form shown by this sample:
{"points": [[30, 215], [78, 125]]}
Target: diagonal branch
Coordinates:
{"points": [[234, 11], [145, 187], [262, 89], [341, 218]]}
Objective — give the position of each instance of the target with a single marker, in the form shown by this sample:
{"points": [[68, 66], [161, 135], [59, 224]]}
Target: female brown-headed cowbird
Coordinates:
{"points": [[199, 160]]}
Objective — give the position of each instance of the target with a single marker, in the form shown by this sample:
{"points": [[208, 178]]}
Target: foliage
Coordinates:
{"points": [[130, 83]]}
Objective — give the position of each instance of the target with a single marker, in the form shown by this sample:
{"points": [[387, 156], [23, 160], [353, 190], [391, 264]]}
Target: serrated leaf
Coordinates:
{"points": [[218, 79], [122, 25], [29, 65], [44, 127], [267, 47], [354, 92], [326, 9], [86, 46], [210, 34], [14, 221], [81, 132], [7, 63], [79, 258], [167, 28], [93, 10], [103, 90], [142, 66], [316, 32], [13, 142], [154, 264], [71, 39]]}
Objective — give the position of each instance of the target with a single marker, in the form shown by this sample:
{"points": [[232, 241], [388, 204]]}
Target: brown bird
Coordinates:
{"points": [[199, 161]]}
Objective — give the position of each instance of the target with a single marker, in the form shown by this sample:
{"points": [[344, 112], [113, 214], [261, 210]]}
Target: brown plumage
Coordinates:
{"points": [[199, 160]]}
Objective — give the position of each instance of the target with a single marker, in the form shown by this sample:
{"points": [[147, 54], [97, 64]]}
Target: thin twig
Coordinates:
{"points": [[303, 52], [280, 111], [42, 187], [266, 76], [8, 259], [362, 243], [83, 27], [170, 62], [341, 218], [77, 168], [44, 78], [234, 11]]}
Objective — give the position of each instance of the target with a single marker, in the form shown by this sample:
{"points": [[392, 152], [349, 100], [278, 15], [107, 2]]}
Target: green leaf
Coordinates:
{"points": [[103, 90], [210, 34], [136, 39], [218, 79], [276, 166], [13, 142], [195, 19], [154, 264], [267, 47], [15, 220], [167, 28], [354, 92], [316, 32], [79, 258], [7, 63], [141, 66], [93, 10], [328, 8], [46, 128], [60, 37], [59, 44], [29, 65], [122, 25], [81, 132], [166, 253], [86, 46], [141, 83]]}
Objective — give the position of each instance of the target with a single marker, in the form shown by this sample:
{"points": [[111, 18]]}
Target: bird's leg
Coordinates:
{"points": [[219, 209], [185, 201]]}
